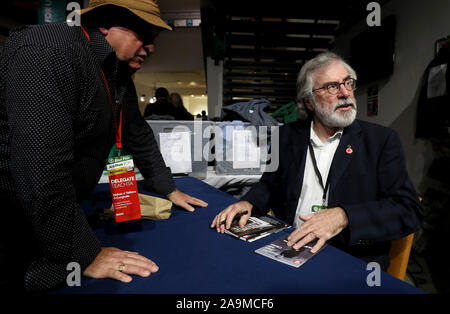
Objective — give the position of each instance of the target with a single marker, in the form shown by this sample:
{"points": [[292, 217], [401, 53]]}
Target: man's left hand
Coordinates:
{"points": [[323, 225], [183, 200]]}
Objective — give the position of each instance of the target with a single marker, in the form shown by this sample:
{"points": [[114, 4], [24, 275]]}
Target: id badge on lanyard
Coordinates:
{"points": [[124, 192], [122, 179]]}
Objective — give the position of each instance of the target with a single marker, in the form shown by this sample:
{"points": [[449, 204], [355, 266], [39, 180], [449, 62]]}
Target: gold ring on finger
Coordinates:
{"points": [[122, 267]]}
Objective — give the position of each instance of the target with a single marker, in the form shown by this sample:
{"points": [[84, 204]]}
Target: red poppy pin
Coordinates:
{"points": [[349, 150]]}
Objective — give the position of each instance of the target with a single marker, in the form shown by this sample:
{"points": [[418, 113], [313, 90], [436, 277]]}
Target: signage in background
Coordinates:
{"points": [[51, 11]]}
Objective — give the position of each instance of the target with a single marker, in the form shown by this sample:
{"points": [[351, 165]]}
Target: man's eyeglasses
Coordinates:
{"points": [[334, 87]]}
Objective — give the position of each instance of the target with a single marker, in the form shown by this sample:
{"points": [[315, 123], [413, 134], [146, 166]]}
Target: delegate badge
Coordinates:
{"points": [[316, 208], [122, 181]]}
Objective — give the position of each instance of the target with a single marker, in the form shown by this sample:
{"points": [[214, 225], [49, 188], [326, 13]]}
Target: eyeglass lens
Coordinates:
{"points": [[334, 87]]}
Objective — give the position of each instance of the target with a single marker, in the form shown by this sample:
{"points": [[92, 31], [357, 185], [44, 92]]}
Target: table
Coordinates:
{"points": [[195, 259]]}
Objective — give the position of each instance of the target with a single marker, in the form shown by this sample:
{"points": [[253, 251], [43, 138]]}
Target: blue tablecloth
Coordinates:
{"points": [[195, 259]]}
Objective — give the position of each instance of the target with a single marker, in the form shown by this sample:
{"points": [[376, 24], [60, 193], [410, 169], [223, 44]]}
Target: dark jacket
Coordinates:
{"points": [[433, 111], [251, 111], [371, 184], [56, 130]]}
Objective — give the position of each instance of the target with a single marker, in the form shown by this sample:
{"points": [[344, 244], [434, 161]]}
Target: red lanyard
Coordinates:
{"points": [[118, 128]]}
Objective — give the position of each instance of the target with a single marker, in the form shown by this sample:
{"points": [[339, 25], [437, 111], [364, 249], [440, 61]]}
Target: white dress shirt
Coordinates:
{"points": [[312, 191]]}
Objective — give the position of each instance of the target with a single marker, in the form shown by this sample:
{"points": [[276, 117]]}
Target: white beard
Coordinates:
{"points": [[336, 119]]}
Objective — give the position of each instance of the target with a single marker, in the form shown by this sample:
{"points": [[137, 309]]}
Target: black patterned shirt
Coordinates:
{"points": [[56, 131]]}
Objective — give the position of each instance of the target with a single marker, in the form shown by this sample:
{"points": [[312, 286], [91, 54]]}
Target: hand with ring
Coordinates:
{"points": [[322, 225], [118, 264]]}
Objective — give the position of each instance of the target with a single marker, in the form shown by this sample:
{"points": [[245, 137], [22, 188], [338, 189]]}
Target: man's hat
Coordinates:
{"points": [[147, 10]]}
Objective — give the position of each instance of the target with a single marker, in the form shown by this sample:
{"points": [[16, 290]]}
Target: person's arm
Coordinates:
{"points": [[398, 212], [41, 102], [261, 192], [138, 140], [257, 200]]}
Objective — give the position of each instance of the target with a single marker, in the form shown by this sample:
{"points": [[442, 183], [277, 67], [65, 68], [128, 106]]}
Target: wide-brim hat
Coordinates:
{"points": [[147, 10]]}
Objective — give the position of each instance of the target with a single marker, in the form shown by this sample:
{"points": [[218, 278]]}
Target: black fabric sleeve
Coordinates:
{"points": [[139, 141], [260, 195], [398, 212], [41, 98]]}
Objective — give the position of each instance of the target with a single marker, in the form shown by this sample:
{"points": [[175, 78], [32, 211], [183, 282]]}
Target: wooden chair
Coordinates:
{"points": [[399, 256]]}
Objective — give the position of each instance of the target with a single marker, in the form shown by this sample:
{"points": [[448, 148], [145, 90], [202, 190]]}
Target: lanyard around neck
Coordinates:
{"points": [[319, 175], [118, 128]]}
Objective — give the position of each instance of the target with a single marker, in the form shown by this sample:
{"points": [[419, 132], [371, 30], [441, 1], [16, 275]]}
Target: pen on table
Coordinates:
{"points": [[235, 217]]}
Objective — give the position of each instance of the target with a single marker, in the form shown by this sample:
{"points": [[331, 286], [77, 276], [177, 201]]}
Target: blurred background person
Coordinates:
{"points": [[182, 112], [162, 108]]}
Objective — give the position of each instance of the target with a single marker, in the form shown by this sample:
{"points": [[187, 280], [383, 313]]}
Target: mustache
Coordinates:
{"points": [[343, 103]]}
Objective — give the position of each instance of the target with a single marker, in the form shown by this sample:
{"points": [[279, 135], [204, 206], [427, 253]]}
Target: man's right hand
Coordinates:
{"points": [[228, 214], [117, 264]]}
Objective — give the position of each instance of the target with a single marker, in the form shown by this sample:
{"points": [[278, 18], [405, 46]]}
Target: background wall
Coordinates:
{"points": [[177, 50], [418, 25], [177, 64], [195, 103]]}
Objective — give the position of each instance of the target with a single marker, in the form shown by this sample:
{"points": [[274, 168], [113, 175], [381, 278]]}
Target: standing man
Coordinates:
{"points": [[66, 92], [340, 180]]}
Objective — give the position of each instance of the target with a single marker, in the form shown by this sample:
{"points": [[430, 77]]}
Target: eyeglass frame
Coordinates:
{"points": [[338, 85]]}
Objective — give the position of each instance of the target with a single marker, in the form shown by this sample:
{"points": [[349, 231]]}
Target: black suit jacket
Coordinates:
{"points": [[371, 184]]}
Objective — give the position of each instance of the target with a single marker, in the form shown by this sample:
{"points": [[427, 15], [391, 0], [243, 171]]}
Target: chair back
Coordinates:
{"points": [[399, 256]]}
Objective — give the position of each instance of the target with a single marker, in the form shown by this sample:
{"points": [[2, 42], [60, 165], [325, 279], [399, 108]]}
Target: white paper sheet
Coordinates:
{"points": [[245, 150], [176, 150]]}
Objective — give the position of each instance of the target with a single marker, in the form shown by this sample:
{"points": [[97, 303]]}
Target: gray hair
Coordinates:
{"points": [[305, 83]]}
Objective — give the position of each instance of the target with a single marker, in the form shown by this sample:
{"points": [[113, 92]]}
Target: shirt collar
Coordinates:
{"points": [[316, 140]]}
